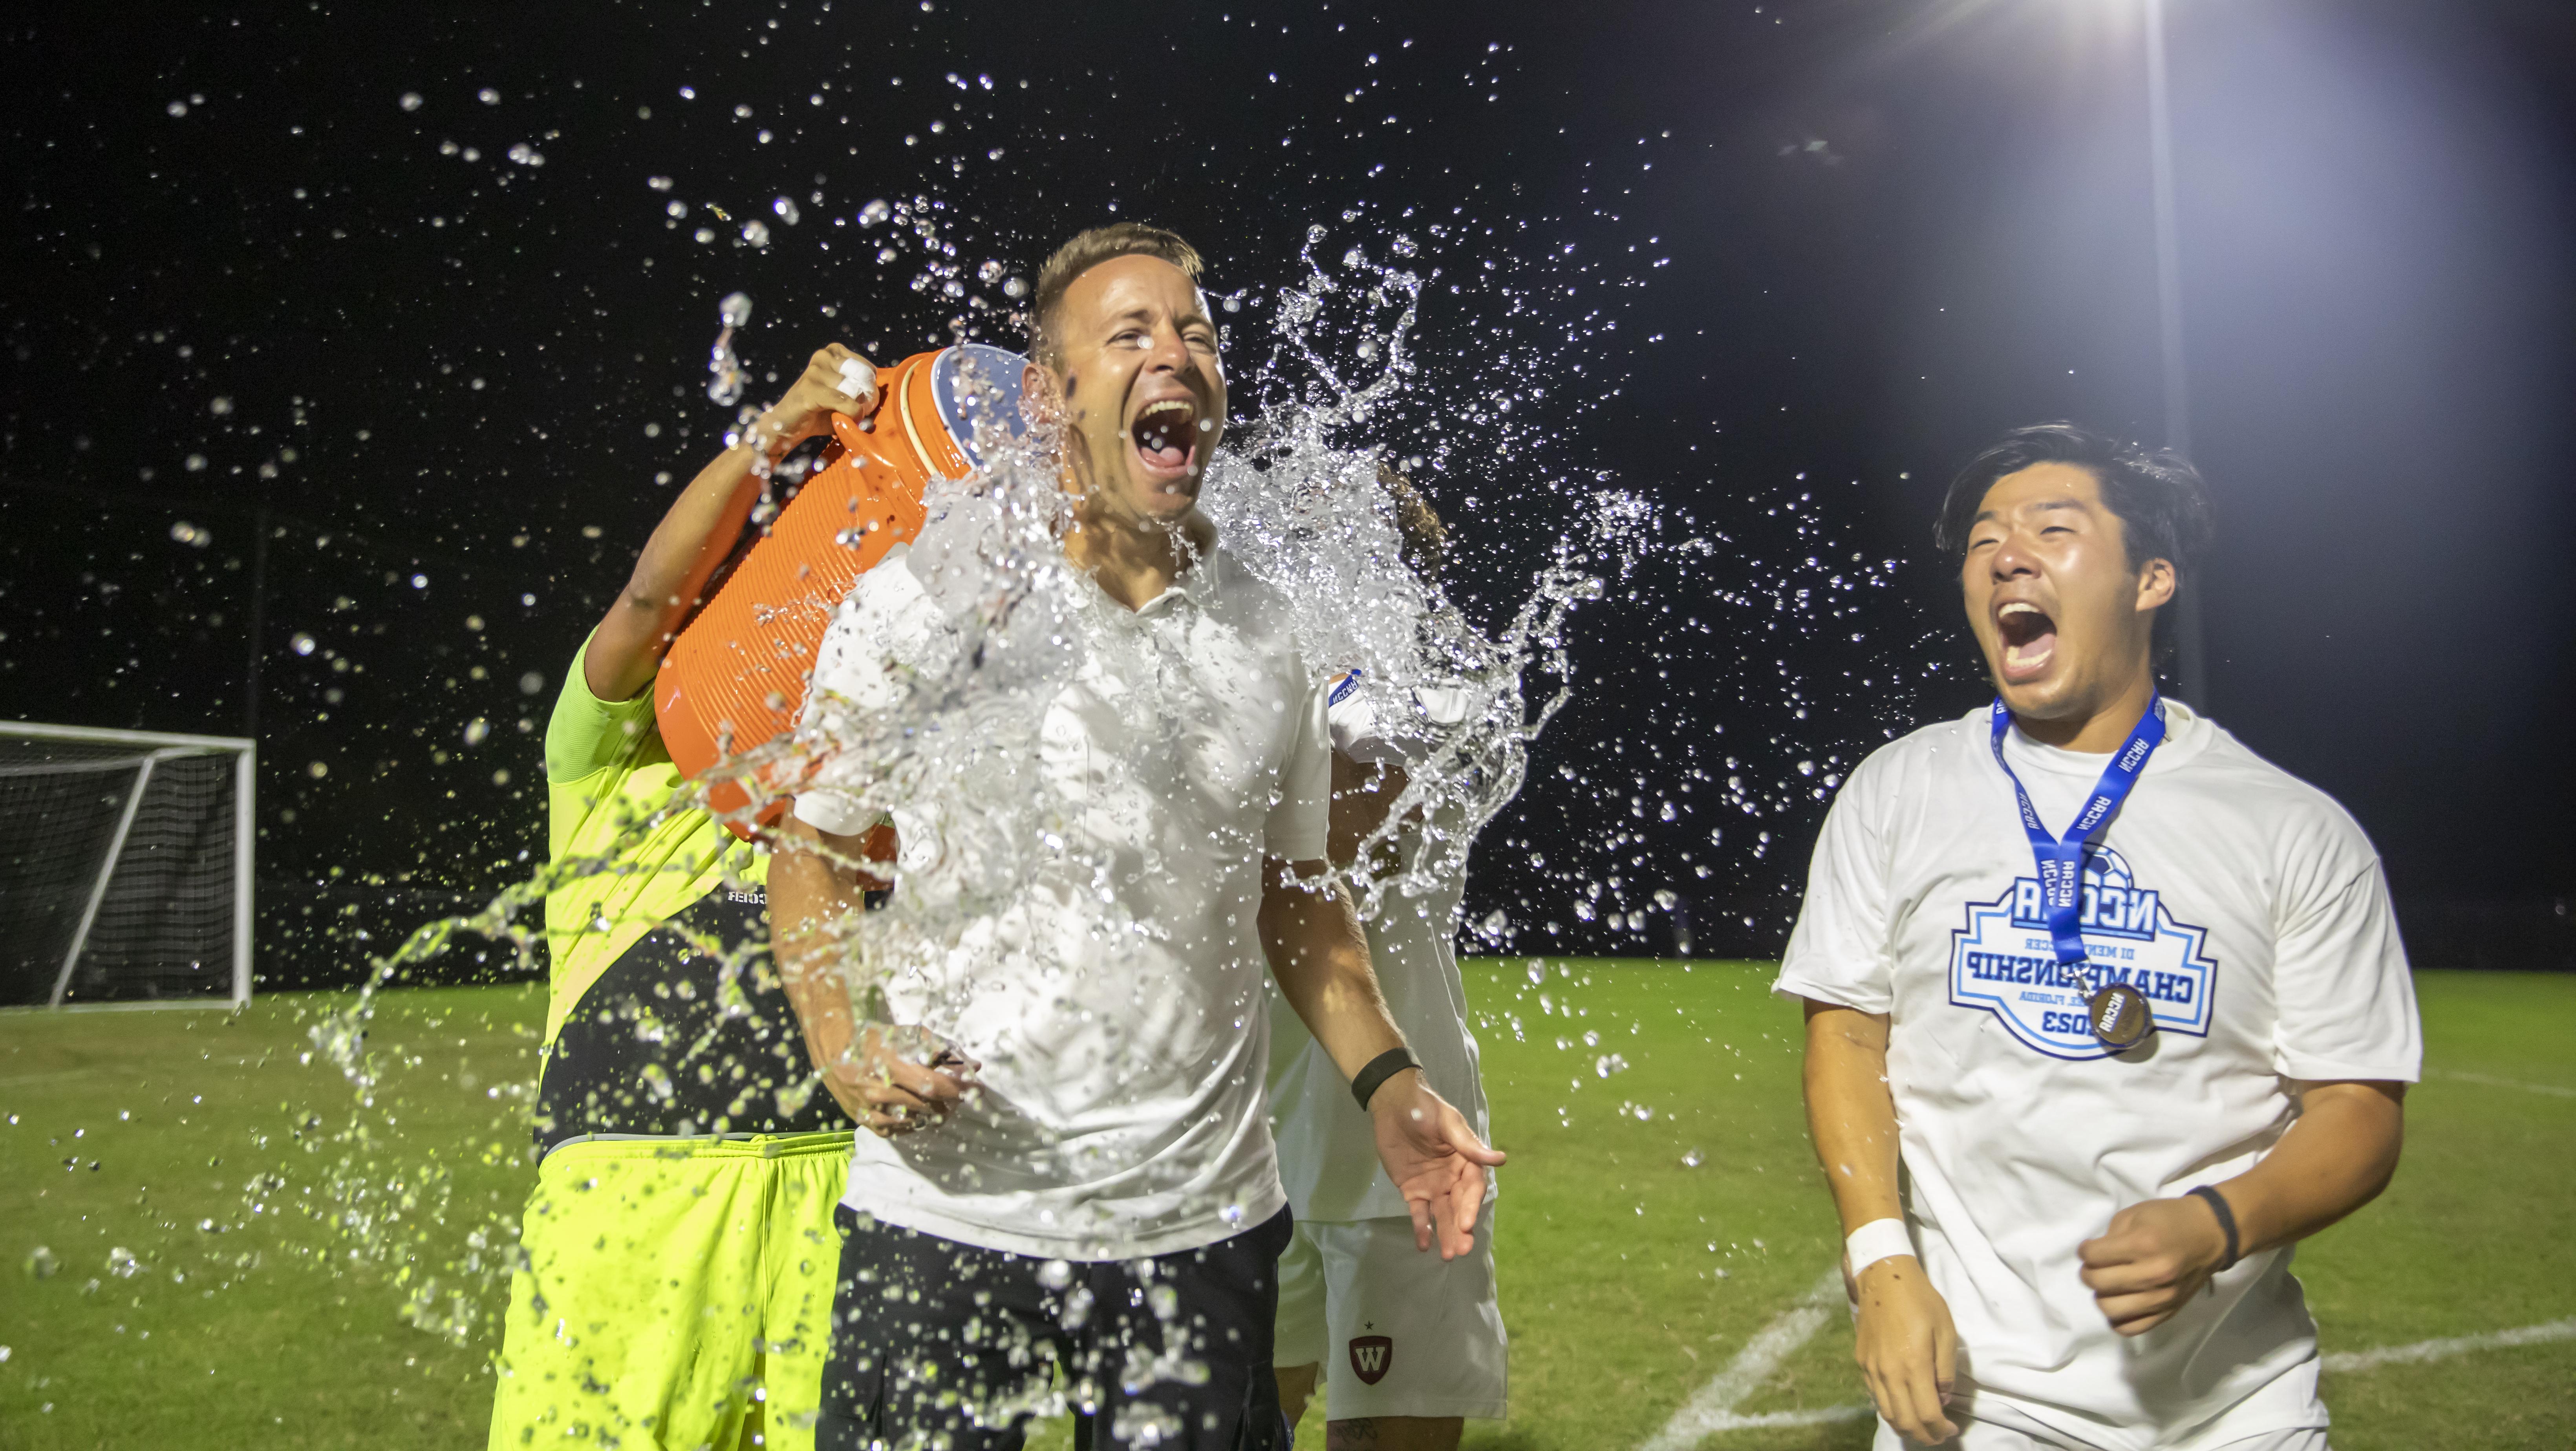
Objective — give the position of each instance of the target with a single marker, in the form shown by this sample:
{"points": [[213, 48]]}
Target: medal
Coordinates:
{"points": [[2120, 1016], [2117, 1012]]}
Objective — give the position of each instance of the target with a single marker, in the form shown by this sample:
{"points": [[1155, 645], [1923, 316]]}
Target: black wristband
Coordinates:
{"points": [[2217, 1203], [1384, 1066]]}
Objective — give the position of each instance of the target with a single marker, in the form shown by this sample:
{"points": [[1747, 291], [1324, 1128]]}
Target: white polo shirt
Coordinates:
{"points": [[1112, 986], [1327, 1142], [2251, 912]]}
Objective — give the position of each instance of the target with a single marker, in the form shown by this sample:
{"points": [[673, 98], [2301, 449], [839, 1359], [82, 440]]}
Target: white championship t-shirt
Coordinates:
{"points": [[1327, 1142], [2250, 911], [1116, 1008]]}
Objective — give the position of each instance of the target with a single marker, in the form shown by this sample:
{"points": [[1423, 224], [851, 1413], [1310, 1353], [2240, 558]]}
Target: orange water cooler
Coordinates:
{"points": [[735, 677]]}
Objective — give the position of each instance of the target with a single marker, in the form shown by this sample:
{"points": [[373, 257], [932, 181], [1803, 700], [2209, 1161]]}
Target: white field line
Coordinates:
{"points": [[1712, 1408], [2424, 1350], [2551, 1089]]}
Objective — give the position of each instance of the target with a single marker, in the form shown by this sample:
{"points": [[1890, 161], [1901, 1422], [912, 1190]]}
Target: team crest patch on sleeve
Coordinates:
{"points": [[2002, 962]]}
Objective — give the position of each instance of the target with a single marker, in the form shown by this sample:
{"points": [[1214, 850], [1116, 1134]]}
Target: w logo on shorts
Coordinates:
{"points": [[1370, 1356]]}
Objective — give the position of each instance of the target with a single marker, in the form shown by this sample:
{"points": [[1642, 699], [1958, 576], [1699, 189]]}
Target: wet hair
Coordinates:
{"points": [[1426, 539], [1089, 249], [2159, 498]]}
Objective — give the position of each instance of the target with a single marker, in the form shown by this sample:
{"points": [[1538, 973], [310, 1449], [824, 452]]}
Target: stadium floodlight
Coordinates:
{"points": [[125, 867]]}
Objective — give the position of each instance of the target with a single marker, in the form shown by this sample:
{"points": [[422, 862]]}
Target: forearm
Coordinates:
{"points": [[808, 897], [683, 552], [2338, 1157], [1850, 1114], [1321, 961]]}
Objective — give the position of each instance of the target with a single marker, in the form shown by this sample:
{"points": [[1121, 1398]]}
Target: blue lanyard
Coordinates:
{"points": [[2061, 860]]}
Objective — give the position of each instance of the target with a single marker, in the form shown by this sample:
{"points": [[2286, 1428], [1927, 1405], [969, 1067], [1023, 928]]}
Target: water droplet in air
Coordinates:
{"points": [[477, 730], [785, 207], [1014, 287], [658, 183], [410, 101], [735, 309], [873, 213], [526, 155], [41, 1263], [302, 643], [756, 232], [1692, 1159], [178, 108], [488, 96]]}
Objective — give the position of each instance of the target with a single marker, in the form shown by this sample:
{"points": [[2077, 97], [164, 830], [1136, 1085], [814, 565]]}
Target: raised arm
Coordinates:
{"points": [[1907, 1347], [700, 529], [1321, 961]]}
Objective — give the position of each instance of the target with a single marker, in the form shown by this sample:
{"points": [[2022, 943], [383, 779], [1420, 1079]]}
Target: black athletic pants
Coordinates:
{"points": [[941, 1346]]}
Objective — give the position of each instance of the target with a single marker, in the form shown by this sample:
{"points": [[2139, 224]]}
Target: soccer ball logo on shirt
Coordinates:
{"points": [[2002, 961]]}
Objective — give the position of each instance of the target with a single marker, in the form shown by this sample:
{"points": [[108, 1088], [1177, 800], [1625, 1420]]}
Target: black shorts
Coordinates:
{"points": [[937, 1343]]}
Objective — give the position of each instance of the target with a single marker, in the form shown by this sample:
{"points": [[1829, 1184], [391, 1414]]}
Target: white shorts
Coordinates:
{"points": [[1397, 1331], [1992, 1435]]}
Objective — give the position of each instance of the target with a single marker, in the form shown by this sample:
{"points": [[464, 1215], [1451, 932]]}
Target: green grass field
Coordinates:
{"points": [[1653, 1222]]}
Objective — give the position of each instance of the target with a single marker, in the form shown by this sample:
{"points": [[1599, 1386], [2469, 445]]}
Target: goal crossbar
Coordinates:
{"points": [[150, 749]]}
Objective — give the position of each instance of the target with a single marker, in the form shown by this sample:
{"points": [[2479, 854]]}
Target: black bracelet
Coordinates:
{"points": [[2217, 1203], [1381, 1068]]}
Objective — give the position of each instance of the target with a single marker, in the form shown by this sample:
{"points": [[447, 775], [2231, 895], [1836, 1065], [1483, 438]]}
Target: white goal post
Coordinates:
{"points": [[125, 867]]}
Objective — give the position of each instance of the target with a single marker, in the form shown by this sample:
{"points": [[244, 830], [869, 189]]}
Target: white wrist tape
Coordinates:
{"points": [[1877, 1240]]}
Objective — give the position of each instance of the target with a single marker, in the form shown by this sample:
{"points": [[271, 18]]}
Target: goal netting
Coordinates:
{"points": [[125, 867]]}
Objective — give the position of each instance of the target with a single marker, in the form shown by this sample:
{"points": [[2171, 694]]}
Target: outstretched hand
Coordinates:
{"points": [[1435, 1159]]}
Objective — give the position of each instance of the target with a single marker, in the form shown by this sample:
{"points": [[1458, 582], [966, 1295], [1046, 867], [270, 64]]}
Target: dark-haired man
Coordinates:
{"points": [[2125, 1003], [676, 1286], [1072, 1173]]}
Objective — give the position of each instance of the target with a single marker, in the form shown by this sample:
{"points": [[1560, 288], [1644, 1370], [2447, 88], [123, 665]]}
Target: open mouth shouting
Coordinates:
{"points": [[1166, 436], [2029, 638]]}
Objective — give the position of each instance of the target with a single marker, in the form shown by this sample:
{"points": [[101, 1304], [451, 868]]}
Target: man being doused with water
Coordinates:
{"points": [[1406, 1346], [2124, 1002], [679, 1242], [1069, 1191]]}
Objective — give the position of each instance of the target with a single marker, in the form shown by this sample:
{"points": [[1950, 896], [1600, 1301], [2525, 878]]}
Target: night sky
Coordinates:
{"points": [[392, 311]]}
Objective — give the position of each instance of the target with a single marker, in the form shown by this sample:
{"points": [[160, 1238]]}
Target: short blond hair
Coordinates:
{"points": [[1088, 249]]}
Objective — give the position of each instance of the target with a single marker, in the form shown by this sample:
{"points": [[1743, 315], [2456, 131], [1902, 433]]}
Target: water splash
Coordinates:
{"points": [[724, 388]]}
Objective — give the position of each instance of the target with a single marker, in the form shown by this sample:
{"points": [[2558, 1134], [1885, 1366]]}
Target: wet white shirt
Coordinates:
{"points": [[1117, 1005], [2250, 910], [1327, 1142]]}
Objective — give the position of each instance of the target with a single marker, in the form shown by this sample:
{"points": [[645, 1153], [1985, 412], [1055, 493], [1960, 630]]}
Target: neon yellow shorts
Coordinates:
{"points": [[677, 1295]]}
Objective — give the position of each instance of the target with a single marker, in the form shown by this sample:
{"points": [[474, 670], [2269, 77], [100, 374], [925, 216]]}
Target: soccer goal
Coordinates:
{"points": [[125, 867]]}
